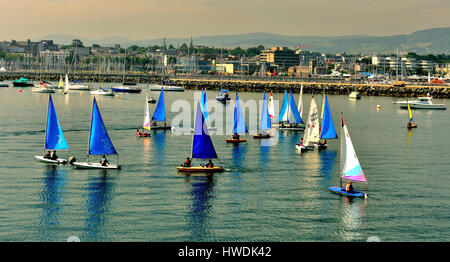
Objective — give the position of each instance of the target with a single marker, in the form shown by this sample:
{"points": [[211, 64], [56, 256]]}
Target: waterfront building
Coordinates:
{"points": [[280, 56]]}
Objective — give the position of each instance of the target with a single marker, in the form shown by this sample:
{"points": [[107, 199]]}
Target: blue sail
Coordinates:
{"points": [[202, 146], [265, 124], [54, 137], [328, 130], [284, 106], [294, 110], [160, 111], [239, 126], [99, 141], [204, 105]]}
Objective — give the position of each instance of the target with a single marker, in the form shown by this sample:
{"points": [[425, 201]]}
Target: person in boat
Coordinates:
{"points": [[322, 142], [54, 156], [349, 187], [300, 143], [187, 163], [104, 161], [235, 136], [210, 164], [154, 123], [48, 155], [165, 124], [138, 132], [282, 124]]}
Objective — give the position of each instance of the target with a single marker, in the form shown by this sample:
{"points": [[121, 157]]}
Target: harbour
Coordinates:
{"points": [[266, 193]]}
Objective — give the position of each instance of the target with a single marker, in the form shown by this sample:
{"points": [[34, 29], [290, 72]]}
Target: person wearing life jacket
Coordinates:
{"points": [[54, 156], [48, 155], [104, 162], [187, 163], [235, 136], [210, 164], [349, 187]]}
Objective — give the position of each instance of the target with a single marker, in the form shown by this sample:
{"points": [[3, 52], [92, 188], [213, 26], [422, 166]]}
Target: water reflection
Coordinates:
{"points": [[327, 165], [97, 207], [264, 157], [159, 140], [239, 153], [51, 198], [352, 213], [202, 194], [145, 149]]}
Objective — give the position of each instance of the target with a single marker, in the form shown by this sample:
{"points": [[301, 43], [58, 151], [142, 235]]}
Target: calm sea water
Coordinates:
{"points": [[267, 193]]}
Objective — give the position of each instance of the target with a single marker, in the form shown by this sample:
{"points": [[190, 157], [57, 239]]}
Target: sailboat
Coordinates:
{"points": [[61, 83], [126, 87], [54, 136], [99, 142], [66, 85], [289, 114], [311, 135], [239, 126], [146, 123], [202, 146], [264, 124], [350, 167], [410, 124], [271, 106], [159, 114], [327, 129], [300, 101], [101, 91]]}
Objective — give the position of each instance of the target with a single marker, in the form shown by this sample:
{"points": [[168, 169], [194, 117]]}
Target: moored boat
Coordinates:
{"points": [[22, 82], [421, 103]]}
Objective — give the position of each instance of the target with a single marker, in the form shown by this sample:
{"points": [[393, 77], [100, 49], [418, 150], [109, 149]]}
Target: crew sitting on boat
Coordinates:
{"points": [[154, 123], [235, 136], [104, 162], [48, 155], [186, 163], [349, 187], [322, 142], [210, 164], [300, 143], [54, 156]]}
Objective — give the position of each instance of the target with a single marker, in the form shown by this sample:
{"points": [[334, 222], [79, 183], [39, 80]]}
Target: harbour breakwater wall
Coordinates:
{"points": [[312, 86], [84, 77], [340, 88]]}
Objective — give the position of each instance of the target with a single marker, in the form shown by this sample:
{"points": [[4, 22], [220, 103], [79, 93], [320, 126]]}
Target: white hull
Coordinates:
{"points": [[42, 90], [102, 93], [423, 106], [166, 88], [354, 95], [49, 161], [79, 87], [86, 165]]}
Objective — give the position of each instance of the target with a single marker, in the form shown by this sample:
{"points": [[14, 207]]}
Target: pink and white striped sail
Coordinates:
{"points": [[351, 169], [146, 124]]}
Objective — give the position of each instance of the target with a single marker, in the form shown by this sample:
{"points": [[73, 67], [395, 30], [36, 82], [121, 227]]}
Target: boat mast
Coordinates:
{"points": [[340, 154], [46, 123]]}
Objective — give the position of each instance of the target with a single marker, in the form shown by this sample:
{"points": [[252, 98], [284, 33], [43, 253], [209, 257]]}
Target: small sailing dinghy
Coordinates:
{"points": [[350, 167], [239, 126], [54, 136], [202, 147], [410, 124], [311, 135], [146, 124], [289, 114], [327, 130], [264, 124], [160, 114], [99, 143]]}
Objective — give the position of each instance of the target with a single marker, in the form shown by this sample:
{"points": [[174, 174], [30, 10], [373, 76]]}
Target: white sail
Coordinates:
{"points": [[312, 130], [66, 86], [300, 102], [146, 124], [351, 169], [271, 108]]}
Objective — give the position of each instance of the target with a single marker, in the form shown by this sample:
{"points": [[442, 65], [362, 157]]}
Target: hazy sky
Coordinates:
{"points": [[148, 19]]}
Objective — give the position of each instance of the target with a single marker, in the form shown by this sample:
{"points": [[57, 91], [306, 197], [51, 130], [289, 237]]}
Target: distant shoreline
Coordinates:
{"points": [[278, 85]]}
